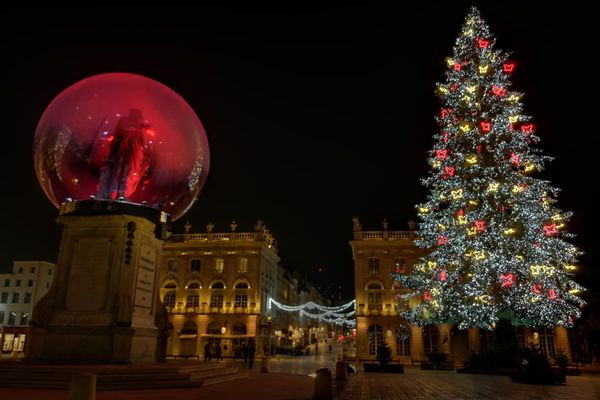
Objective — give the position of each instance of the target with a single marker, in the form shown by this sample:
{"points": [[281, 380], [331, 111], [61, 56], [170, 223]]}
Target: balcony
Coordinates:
{"points": [[213, 237], [384, 235]]}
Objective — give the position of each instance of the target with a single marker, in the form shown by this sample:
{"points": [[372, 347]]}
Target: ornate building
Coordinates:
{"points": [[216, 287], [19, 291], [378, 254]]}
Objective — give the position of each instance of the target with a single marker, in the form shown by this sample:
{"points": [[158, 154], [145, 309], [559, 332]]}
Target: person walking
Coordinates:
{"points": [[218, 352], [251, 349]]}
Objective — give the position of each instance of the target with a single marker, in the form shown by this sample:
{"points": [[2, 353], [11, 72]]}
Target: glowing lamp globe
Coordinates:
{"points": [[121, 137]]}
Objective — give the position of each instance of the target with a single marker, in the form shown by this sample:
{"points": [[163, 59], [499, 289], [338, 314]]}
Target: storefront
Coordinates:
{"points": [[13, 340]]}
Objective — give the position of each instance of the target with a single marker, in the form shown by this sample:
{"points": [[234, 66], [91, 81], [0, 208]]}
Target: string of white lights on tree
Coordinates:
{"points": [[497, 241]]}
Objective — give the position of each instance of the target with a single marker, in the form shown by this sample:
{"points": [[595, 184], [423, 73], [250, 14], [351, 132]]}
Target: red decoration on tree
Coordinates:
{"points": [[460, 212], [502, 208], [478, 148], [483, 43], [527, 128], [515, 159], [426, 295], [454, 87], [538, 245], [480, 226], [498, 91], [486, 126], [443, 276], [537, 288], [444, 112], [552, 294], [442, 240], [550, 230], [445, 137], [508, 67], [457, 66], [448, 172], [441, 154], [507, 280]]}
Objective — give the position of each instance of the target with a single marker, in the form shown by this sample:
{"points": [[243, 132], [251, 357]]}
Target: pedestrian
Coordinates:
{"points": [[251, 349], [317, 349], [218, 352], [207, 352], [330, 348]]}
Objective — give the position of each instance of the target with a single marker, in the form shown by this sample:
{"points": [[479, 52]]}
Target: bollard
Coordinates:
{"points": [[264, 364], [323, 385], [83, 387], [341, 373]]}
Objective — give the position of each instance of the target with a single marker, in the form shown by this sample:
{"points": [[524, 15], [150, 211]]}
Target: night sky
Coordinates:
{"points": [[313, 115]]}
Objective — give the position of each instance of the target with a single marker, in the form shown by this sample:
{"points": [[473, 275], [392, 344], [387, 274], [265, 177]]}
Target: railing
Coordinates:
{"points": [[207, 237], [206, 309], [383, 235]]}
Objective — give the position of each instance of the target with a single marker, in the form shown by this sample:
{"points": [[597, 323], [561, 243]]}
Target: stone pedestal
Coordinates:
{"points": [[101, 307]]}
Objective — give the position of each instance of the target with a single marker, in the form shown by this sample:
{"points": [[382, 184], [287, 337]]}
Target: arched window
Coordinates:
{"points": [[546, 339], [216, 295], [375, 338], [242, 285], [214, 328], [218, 285], [169, 299], [241, 295], [194, 285], [239, 328], [170, 284], [430, 339], [189, 328], [402, 340]]}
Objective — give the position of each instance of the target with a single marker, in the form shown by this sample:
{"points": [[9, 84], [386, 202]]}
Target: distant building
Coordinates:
{"points": [[216, 287], [19, 291], [378, 254]]}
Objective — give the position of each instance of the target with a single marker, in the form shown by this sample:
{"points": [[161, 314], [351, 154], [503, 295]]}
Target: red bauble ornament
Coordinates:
{"points": [[442, 240], [552, 294], [444, 112], [443, 276], [457, 66], [478, 148], [460, 212], [486, 126], [480, 226], [426, 295], [515, 159]]}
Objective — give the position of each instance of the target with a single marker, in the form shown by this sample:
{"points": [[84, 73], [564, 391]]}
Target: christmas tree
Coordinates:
{"points": [[497, 241]]}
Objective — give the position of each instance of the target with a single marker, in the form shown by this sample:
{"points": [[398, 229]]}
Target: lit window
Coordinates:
{"points": [[243, 265], [546, 338], [373, 266], [216, 300], [374, 301], [241, 300], [430, 339], [403, 340], [375, 334], [172, 267], [193, 300], [195, 266], [219, 264], [169, 299]]}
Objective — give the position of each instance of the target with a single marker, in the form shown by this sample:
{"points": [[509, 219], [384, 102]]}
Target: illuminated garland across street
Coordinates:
{"points": [[339, 317]]}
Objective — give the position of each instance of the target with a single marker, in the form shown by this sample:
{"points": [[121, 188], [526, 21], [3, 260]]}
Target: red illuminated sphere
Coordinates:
{"points": [[121, 137]]}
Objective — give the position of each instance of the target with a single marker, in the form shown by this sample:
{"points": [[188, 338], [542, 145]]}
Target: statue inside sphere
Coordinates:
{"points": [[121, 137]]}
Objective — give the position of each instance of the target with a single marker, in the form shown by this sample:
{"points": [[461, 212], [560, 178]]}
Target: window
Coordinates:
{"points": [[18, 283], [20, 270], [430, 339], [375, 338], [193, 300], [486, 339], [32, 270], [193, 285], [546, 338], [12, 316], [195, 266], [213, 328], [374, 301], [373, 266], [24, 318], [6, 282], [27, 299], [172, 267], [48, 285], [216, 300], [169, 299], [1, 317], [170, 285], [243, 265], [15, 298], [49, 271], [218, 285], [4, 298], [241, 300], [239, 328], [30, 283], [219, 264], [403, 340], [400, 265]]}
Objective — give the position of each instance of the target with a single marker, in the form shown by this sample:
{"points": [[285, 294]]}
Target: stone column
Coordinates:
{"points": [[417, 350], [561, 340]]}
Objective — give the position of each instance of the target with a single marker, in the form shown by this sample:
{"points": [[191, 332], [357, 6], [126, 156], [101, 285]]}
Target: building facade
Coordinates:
{"points": [[377, 255], [216, 287], [19, 291]]}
